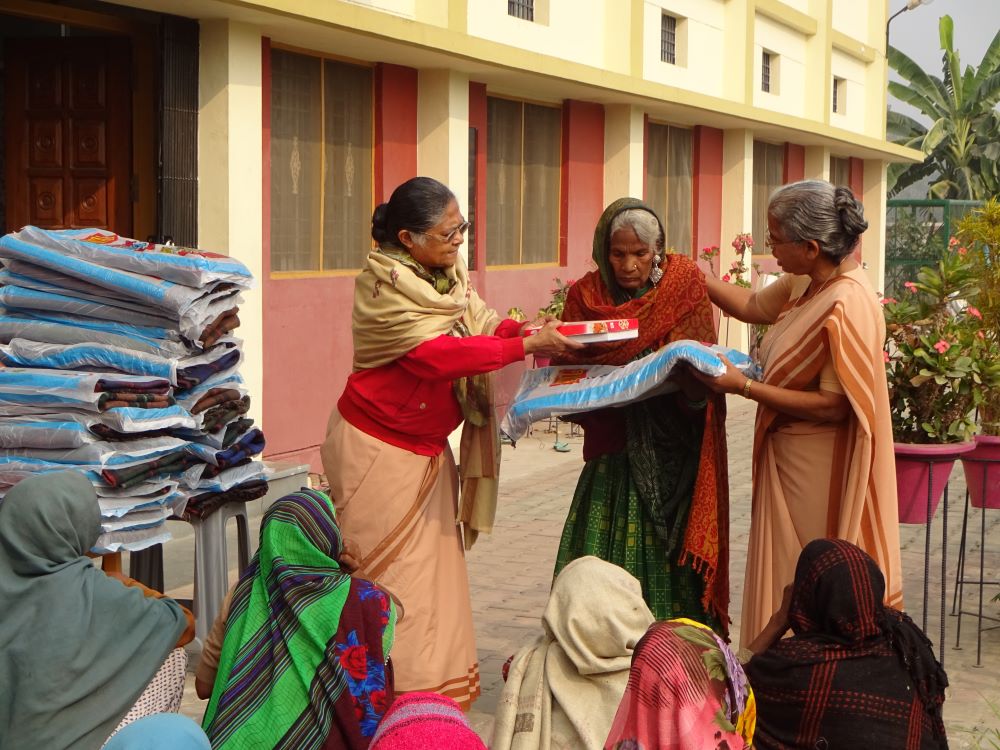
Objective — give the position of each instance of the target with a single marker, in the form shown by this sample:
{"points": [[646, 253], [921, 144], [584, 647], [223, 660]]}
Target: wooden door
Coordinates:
{"points": [[69, 133]]}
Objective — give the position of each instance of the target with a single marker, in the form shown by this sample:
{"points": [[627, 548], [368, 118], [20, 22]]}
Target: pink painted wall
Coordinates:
{"points": [[795, 162], [707, 187], [307, 321]]}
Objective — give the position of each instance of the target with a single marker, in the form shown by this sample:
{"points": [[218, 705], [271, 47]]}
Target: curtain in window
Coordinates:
{"points": [[321, 163], [680, 205], [768, 170], [503, 186], [295, 161], [523, 159], [540, 209], [669, 183], [840, 171], [347, 189]]}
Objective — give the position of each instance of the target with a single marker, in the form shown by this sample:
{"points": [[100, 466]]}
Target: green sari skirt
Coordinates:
{"points": [[607, 519]]}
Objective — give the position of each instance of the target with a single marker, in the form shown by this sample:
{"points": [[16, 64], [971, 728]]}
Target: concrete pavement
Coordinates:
{"points": [[510, 573]]}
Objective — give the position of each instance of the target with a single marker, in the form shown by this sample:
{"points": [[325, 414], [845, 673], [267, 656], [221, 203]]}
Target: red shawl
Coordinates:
{"points": [[676, 308]]}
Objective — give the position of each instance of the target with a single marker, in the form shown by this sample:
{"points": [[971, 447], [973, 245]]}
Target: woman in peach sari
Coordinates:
{"points": [[823, 461]]}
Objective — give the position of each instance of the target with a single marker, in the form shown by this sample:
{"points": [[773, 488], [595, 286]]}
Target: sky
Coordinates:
{"points": [[915, 33]]}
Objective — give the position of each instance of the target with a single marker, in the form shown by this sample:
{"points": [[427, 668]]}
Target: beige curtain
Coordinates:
{"points": [[523, 160], [347, 193], [321, 163], [669, 183], [540, 209], [840, 171], [768, 171], [503, 182], [295, 161]]}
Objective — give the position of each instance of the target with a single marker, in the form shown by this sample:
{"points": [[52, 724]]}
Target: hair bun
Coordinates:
{"points": [[852, 213], [380, 230]]}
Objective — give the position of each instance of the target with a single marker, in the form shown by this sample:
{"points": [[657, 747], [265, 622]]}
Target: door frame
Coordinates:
{"points": [[144, 88]]}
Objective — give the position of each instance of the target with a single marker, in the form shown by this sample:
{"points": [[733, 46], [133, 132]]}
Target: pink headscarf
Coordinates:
{"points": [[686, 691], [421, 720]]}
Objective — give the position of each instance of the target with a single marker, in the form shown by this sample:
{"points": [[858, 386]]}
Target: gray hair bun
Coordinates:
{"points": [[852, 213]]}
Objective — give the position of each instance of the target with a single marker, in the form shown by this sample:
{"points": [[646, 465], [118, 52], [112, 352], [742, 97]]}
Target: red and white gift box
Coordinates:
{"points": [[594, 331]]}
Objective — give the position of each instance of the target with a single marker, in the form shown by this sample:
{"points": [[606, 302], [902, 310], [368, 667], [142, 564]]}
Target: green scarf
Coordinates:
{"points": [[280, 682], [77, 648]]}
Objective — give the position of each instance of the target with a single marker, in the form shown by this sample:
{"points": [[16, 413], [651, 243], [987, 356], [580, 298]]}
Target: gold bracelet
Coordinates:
{"points": [[746, 388]]}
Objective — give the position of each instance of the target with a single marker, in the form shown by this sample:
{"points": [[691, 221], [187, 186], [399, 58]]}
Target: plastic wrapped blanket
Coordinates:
{"points": [[75, 390], [104, 248], [571, 389]]}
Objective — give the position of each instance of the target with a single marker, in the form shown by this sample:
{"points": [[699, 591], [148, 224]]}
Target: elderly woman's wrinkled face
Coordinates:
{"points": [[631, 259], [438, 247], [792, 254]]}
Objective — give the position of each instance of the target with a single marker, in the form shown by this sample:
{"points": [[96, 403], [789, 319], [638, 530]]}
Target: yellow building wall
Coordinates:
{"points": [[565, 29], [853, 105], [700, 35], [788, 67]]}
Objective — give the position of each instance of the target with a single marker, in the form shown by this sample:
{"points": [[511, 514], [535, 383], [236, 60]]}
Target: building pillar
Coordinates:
{"points": [[443, 131], [230, 192], [817, 163], [873, 240], [624, 143], [737, 216]]}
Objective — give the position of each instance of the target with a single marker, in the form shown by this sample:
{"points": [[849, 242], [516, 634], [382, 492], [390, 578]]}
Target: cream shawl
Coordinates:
{"points": [[394, 311], [564, 690]]}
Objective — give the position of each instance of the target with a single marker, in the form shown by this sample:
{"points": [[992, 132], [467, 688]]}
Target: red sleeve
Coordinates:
{"points": [[508, 329], [450, 357]]}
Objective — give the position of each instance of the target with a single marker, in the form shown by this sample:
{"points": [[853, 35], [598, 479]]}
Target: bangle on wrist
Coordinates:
{"points": [[746, 388]]}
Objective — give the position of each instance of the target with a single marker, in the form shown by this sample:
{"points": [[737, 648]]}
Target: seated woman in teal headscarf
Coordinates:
{"points": [[77, 648], [304, 659]]}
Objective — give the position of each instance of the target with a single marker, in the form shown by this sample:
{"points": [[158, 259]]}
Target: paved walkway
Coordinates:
{"points": [[510, 573]]}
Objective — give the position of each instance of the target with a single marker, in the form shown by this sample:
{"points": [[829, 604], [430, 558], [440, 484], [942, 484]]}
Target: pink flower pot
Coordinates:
{"points": [[980, 494], [912, 474]]}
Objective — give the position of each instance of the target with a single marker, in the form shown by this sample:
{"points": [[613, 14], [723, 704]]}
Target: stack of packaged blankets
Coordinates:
{"points": [[117, 359]]}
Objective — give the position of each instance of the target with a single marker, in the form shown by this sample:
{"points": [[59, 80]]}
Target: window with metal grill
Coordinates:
{"points": [[524, 9], [765, 71], [838, 95], [668, 39]]}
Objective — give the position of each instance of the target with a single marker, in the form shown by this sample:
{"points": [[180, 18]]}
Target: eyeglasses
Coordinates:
{"points": [[460, 229], [770, 243]]}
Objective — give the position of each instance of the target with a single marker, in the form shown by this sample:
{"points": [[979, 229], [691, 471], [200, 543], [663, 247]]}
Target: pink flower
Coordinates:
{"points": [[726, 278], [885, 356], [952, 241], [974, 312], [889, 300], [979, 334], [570, 282], [942, 346], [962, 251], [910, 286]]}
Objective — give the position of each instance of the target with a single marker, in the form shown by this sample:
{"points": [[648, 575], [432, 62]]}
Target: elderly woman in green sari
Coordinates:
{"points": [[653, 495]]}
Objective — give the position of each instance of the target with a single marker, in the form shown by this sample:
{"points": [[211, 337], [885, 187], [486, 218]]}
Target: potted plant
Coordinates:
{"points": [[979, 235], [938, 375], [554, 308]]}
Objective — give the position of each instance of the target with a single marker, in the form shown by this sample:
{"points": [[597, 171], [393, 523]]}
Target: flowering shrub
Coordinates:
{"points": [[938, 360], [980, 231], [737, 273], [558, 301]]}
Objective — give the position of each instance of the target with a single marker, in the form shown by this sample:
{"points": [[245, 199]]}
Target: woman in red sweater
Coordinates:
{"points": [[425, 347]]}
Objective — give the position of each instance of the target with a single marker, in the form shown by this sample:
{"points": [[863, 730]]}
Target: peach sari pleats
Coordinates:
{"points": [[823, 480], [397, 510]]}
